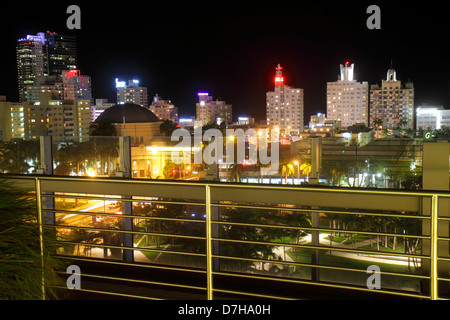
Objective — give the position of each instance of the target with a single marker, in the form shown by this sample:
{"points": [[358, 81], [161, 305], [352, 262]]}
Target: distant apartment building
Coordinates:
{"points": [[131, 93], [432, 118], [64, 120], [209, 111], [347, 99], [285, 106], [392, 102], [164, 109], [12, 120], [99, 106], [71, 85], [76, 86]]}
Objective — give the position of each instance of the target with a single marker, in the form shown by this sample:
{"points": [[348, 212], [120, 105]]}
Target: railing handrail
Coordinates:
{"points": [[217, 184]]}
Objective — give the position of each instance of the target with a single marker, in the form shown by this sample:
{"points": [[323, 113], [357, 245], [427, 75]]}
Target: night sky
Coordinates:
{"points": [[230, 49]]}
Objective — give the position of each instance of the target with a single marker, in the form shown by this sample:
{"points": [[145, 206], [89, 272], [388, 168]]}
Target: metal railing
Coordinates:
{"points": [[239, 232]]}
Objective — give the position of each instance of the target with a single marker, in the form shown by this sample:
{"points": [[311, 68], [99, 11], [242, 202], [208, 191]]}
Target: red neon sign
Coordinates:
{"points": [[72, 73]]}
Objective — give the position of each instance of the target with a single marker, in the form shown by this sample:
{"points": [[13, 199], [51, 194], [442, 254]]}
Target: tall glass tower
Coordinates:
{"points": [[41, 55]]}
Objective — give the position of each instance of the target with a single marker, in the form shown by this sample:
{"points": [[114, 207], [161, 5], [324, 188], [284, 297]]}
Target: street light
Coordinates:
{"points": [[298, 170]]}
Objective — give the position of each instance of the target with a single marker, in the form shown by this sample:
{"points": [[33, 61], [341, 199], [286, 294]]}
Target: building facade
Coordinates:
{"points": [[392, 102], [164, 109], [432, 118], [64, 120], [30, 63], [209, 111], [43, 55], [131, 93], [347, 99], [76, 86], [285, 107], [98, 108], [12, 120]]}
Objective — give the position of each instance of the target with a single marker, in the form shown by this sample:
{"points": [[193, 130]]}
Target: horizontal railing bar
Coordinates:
{"points": [[125, 295], [128, 248], [443, 259], [427, 193], [324, 248], [135, 264], [320, 266], [119, 198], [323, 284], [124, 231], [172, 252], [322, 211], [119, 215], [265, 296], [141, 281], [321, 229], [333, 190]]}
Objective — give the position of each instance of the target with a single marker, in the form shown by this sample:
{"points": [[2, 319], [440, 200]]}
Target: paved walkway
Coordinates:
{"points": [[375, 258]]}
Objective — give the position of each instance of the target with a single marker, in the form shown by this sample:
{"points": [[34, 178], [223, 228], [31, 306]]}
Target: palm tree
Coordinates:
{"points": [[402, 123], [24, 264], [305, 169], [102, 129], [167, 127], [287, 170], [17, 155], [378, 122], [105, 146]]}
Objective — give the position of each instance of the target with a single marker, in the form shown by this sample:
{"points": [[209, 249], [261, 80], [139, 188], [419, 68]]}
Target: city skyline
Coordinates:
{"points": [[231, 52]]}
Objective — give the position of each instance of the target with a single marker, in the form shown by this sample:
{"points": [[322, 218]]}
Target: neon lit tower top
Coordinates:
{"points": [[279, 79]]}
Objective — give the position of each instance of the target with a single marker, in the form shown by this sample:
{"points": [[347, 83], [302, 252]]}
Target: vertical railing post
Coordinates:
{"points": [[209, 260], [433, 249], [125, 171], [46, 168], [41, 232]]}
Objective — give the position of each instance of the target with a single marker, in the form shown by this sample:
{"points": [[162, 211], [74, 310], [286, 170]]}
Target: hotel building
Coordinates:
{"points": [[209, 111], [392, 102], [285, 107], [347, 99], [131, 93]]}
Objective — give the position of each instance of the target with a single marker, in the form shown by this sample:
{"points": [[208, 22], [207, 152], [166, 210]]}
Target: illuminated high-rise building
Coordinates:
{"points": [[43, 55], [60, 53], [210, 111], [30, 62], [285, 106], [392, 102], [347, 99], [131, 93]]}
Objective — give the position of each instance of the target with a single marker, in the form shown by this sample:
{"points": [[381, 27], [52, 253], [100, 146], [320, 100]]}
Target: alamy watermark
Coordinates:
{"points": [[211, 147], [374, 280], [374, 21], [74, 21], [74, 280]]}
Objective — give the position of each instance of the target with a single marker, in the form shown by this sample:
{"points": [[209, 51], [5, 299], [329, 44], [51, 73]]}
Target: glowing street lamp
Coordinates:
{"points": [[298, 170]]}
